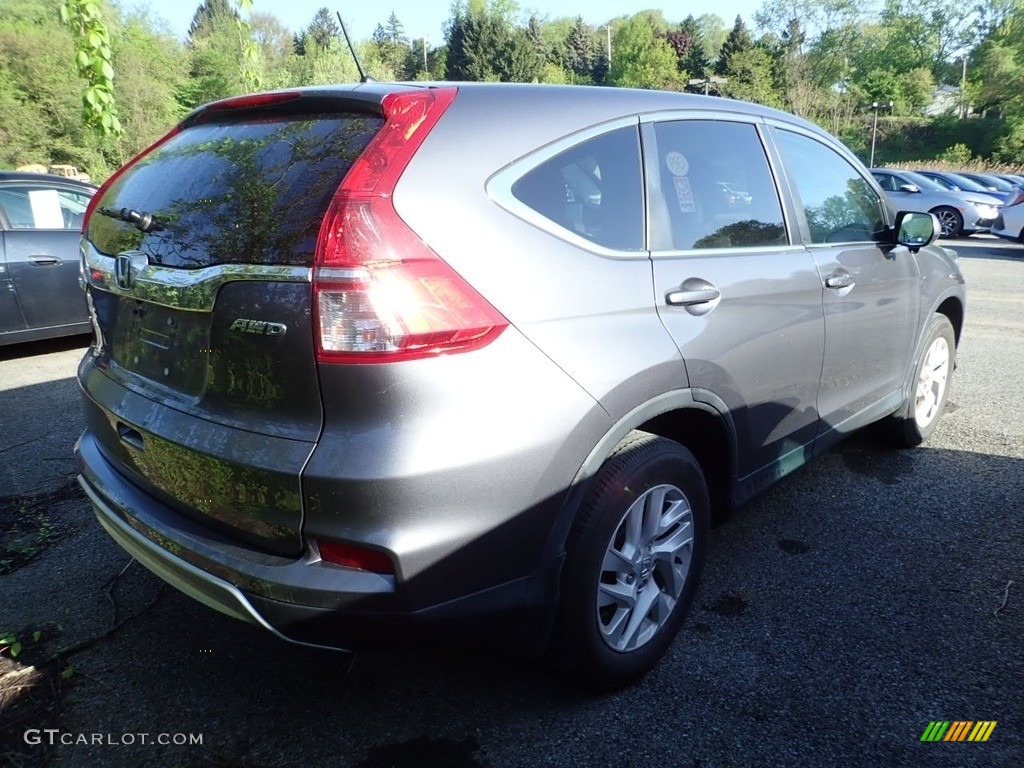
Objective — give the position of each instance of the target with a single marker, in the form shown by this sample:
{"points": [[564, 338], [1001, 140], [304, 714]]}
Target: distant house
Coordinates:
{"points": [[945, 100]]}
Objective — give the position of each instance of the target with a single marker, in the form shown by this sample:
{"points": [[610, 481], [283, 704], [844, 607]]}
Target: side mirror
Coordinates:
{"points": [[915, 230], [909, 188]]}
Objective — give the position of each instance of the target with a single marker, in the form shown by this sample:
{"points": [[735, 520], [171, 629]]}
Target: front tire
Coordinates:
{"points": [[950, 220], [920, 415], [633, 561]]}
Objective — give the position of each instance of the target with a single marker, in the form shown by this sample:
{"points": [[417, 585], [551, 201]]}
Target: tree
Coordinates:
{"points": [[749, 77], [682, 42], [535, 31], [580, 51], [393, 49], [152, 72], [696, 61], [712, 34], [738, 41], [209, 14], [642, 58], [323, 30], [484, 45], [395, 30]]}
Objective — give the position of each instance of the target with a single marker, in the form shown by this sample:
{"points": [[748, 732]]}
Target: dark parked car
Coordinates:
{"points": [[40, 228], [384, 363]]}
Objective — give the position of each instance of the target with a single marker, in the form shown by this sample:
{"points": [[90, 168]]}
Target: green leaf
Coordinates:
{"points": [[82, 60], [37, 636], [89, 97], [107, 71], [15, 648], [67, 673]]}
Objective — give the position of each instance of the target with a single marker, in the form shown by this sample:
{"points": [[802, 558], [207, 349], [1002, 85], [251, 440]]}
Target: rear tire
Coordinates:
{"points": [[633, 561], [917, 419]]}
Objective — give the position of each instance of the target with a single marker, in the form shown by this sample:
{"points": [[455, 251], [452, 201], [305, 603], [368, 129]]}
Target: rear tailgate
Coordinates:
{"points": [[202, 386]]}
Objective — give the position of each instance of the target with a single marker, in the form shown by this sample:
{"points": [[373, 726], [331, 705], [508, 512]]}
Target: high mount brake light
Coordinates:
{"points": [[380, 293], [253, 101]]}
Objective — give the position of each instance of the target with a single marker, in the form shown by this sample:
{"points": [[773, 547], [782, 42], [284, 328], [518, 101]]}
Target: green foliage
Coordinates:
{"points": [[958, 155], [823, 59], [483, 44], [750, 77], [93, 63], [580, 51], [739, 41], [695, 60], [641, 57]]}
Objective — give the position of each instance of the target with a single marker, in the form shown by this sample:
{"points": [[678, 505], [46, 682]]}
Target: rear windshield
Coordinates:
{"points": [[249, 192]]}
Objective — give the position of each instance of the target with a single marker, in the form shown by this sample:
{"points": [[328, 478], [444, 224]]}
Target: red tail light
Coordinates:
{"points": [[117, 174], [380, 293]]}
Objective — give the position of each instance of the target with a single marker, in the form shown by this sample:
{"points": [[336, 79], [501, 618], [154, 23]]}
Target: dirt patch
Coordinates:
{"points": [[29, 523], [31, 691]]}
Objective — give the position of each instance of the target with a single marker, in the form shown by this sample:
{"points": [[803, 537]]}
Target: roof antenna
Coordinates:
{"points": [[363, 77]]}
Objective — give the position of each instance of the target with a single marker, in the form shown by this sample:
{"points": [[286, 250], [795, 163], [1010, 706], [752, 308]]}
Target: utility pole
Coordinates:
{"points": [[963, 87], [875, 107]]}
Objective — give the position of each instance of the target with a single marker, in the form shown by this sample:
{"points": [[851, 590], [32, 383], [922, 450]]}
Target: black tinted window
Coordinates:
{"points": [[717, 185], [840, 205], [887, 181], [249, 192], [593, 189]]}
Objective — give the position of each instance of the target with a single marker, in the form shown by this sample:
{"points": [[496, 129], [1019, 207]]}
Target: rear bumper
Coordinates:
{"points": [[302, 600]]}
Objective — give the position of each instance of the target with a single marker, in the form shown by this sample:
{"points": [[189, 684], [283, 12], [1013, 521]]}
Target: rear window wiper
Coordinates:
{"points": [[142, 221]]}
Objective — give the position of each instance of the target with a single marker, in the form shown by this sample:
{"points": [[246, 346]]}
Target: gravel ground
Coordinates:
{"points": [[867, 595]]}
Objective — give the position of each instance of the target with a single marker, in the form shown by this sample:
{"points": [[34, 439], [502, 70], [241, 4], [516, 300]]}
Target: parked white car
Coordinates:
{"points": [[1009, 224]]}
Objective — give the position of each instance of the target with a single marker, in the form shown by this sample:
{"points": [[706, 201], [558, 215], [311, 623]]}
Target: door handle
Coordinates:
{"points": [[44, 261], [696, 296], [687, 298], [839, 279]]}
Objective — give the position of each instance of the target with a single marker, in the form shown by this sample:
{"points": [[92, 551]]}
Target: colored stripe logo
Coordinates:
{"points": [[958, 730]]}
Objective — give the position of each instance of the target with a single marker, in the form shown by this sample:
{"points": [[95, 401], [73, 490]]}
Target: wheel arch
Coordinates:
{"points": [[696, 419], [952, 307]]}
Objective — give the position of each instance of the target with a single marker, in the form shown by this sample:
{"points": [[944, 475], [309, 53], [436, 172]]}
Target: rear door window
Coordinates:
{"points": [[593, 190], [251, 191], [42, 207], [718, 186]]}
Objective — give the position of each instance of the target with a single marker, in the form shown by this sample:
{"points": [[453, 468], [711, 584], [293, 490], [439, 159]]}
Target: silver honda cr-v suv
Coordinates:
{"points": [[383, 363]]}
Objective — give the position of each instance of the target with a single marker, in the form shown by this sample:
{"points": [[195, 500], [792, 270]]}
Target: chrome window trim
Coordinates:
{"points": [[193, 290], [726, 251], [675, 115], [499, 187]]}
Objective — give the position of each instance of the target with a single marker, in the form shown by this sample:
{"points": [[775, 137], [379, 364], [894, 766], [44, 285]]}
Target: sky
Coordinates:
{"points": [[424, 18]]}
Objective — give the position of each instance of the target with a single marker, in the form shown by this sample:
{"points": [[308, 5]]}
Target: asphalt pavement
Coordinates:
{"points": [[866, 596]]}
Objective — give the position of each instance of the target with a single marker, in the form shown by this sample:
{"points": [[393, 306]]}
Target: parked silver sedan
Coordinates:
{"points": [[959, 213]]}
